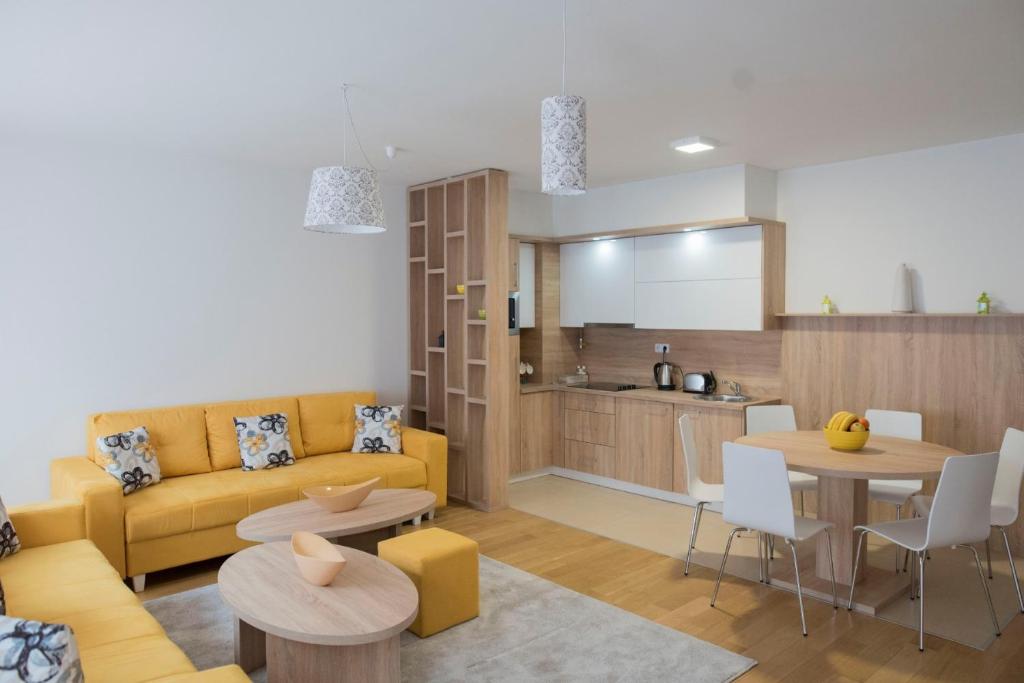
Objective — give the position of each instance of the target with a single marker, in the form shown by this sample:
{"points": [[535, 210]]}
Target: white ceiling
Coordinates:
{"points": [[457, 84]]}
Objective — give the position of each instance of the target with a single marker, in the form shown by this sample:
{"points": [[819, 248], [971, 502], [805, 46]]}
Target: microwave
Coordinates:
{"points": [[513, 313]]}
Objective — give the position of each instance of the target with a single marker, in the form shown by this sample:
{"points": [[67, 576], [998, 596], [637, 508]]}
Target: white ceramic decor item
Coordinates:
{"points": [[902, 291]]}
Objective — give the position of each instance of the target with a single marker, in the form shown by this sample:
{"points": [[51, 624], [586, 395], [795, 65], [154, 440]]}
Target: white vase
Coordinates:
{"points": [[902, 293]]}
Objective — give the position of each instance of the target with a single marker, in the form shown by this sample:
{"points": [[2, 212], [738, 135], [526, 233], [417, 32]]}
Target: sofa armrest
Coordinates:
{"points": [[55, 521], [79, 478], [432, 449]]}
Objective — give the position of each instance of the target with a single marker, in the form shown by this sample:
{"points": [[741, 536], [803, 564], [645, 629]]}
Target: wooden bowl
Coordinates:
{"points": [[318, 559], [340, 498], [846, 441]]}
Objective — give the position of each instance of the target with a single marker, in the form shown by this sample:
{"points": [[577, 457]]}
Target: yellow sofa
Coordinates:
{"points": [[191, 514], [61, 578]]}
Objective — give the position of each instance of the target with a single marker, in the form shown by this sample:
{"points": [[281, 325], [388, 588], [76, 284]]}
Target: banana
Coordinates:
{"points": [[832, 420], [850, 418], [836, 419]]}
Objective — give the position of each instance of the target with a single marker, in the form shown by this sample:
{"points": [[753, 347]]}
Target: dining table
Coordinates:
{"points": [[843, 484]]}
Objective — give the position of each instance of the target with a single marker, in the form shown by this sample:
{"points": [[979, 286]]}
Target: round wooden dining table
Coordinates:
{"points": [[843, 481]]}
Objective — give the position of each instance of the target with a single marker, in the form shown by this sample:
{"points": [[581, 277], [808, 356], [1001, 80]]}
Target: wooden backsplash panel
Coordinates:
{"points": [[624, 354]]}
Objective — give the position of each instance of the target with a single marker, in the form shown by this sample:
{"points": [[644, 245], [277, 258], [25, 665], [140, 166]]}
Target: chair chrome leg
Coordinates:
{"points": [[1013, 569], [913, 574], [988, 556], [899, 516], [831, 569], [856, 565], [771, 547], [920, 603], [721, 570], [761, 543], [801, 503], [693, 536], [799, 590], [984, 584]]}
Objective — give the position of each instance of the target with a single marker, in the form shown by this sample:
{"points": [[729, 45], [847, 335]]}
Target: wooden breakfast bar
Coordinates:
{"points": [[843, 500]]}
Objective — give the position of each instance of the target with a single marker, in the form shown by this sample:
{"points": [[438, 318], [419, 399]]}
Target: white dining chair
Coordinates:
{"points": [[697, 488], [894, 491], [1005, 498], [758, 498], [959, 517], [762, 419]]}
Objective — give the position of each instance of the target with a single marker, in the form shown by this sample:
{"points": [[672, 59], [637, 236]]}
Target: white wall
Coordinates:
{"points": [[131, 280], [530, 213], [952, 213]]}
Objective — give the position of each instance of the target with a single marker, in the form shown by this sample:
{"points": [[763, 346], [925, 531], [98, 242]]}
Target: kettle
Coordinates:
{"points": [[664, 374]]}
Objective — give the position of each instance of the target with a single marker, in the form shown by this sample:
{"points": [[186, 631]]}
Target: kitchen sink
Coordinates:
{"points": [[723, 398]]}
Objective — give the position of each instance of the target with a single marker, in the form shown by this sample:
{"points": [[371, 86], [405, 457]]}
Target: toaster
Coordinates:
{"points": [[699, 382]]}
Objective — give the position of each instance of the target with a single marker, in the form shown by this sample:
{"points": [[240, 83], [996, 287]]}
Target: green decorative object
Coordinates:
{"points": [[826, 306], [984, 304]]}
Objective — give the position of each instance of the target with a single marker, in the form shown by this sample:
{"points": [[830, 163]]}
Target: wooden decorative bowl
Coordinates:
{"points": [[846, 441], [340, 498], [318, 559]]}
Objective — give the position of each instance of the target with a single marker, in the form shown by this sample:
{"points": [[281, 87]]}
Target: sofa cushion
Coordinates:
{"points": [[130, 457], [328, 420], [178, 434], [264, 442], [35, 569], [223, 439], [217, 499]]}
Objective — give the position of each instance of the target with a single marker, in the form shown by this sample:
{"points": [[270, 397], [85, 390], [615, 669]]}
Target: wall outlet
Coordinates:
{"points": [[662, 348]]}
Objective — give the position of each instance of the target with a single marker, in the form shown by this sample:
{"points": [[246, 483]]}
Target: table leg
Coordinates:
{"points": [[289, 661], [250, 646], [844, 502]]}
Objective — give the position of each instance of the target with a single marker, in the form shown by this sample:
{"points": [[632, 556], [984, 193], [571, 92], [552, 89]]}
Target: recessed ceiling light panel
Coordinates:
{"points": [[694, 144]]}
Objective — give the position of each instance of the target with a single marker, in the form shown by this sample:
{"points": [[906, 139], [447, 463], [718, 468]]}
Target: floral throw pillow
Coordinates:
{"points": [[130, 458], [3, 601], [378, 429], [263, 441], [9, 543], [37, 652]]}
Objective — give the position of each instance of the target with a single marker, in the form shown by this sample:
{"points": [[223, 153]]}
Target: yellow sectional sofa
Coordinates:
{"points": [[190, 515], [60, 577]]}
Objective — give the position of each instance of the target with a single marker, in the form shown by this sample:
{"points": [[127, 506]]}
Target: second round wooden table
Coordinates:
{"points": [[843, 481]]}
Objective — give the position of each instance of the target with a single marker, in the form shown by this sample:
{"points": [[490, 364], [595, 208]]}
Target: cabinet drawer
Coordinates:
{"points": [[593, 403], [596, 428], [589, 457]]}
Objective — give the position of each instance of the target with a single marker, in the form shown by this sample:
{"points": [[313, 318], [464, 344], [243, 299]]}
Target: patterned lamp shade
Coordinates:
{"points": [[345, 199], [563, 143]]}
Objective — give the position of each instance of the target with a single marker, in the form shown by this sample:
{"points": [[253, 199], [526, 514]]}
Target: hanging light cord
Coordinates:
{"points": [[563, 48], [355, 133]]}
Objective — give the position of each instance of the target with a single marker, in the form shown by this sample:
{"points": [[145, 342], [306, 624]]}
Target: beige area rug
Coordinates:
{"points": [[529, 629], [955, 606]]}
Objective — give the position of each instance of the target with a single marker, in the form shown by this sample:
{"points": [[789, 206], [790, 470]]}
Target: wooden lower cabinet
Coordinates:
{"points": [[710, 428], [540, 432], [597, 428], [590, 457], [644, 447]]}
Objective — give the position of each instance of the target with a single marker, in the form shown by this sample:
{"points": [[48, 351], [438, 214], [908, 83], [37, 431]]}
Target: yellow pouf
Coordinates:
{"points": [[445, 568]]}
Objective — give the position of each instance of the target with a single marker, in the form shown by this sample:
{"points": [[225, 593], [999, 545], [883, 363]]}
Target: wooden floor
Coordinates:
{"points": [[749, 619]]}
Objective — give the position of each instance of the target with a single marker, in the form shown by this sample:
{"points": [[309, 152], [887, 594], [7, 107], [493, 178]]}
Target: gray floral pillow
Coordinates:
{"points": [[263, 441], [37, 652], [9, 543], [3, 601], [130, 458], [378, 429]]}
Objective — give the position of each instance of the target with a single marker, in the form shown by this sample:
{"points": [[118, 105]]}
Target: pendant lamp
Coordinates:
{"points": [[563, 139], [345, 199]]}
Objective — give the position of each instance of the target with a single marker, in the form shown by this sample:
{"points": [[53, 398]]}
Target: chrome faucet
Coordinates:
{"points": [[733, 386]]}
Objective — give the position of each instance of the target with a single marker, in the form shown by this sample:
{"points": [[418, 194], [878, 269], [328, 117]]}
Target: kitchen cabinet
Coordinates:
{"points": [[711, 427], [588, 427], [596, 428], [597, 282], [724, 254], [644, 446], [513, 264], [699, 305], [526, 265], [590, 458], [540, 441]]}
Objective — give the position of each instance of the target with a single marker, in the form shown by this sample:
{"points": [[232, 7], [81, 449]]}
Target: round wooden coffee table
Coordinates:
{"points": [[348, 630], [382, 509]]}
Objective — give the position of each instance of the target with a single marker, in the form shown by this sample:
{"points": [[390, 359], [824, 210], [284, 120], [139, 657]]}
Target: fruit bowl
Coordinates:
{"points": [[318, 559], [846, 441], [340, 498]]}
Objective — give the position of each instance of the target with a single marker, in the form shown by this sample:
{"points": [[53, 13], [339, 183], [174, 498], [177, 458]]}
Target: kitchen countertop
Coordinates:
{"points": [[652, 394]]}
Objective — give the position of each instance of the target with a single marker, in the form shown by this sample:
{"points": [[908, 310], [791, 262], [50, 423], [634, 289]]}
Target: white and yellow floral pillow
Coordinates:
{"points": [[130, 458], [9, 543], [263, 441], [378, 429]]}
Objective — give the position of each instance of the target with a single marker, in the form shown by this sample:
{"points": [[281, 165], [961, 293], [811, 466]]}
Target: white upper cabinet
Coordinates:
{"points": [[699, 305], [597, 282], [527, 285], [723, 254]]}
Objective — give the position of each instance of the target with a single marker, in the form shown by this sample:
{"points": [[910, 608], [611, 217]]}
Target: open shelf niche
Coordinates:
{"points": [[458, 235]]}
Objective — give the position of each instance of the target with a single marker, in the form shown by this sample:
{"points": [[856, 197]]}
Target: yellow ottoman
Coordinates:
{"points": [[446, 570]]}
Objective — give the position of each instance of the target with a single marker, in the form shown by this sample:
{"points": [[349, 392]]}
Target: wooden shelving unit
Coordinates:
{"points": [[466, 388]]}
